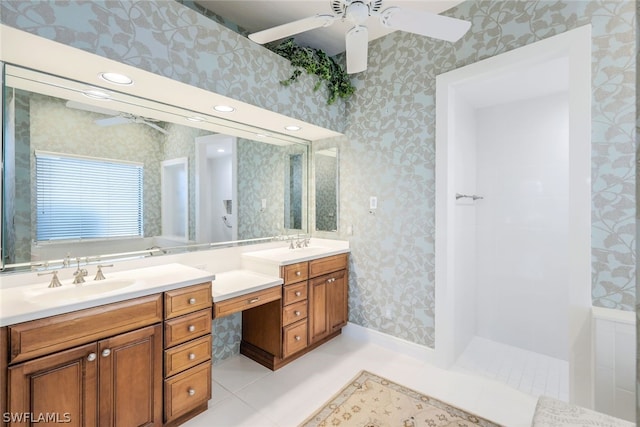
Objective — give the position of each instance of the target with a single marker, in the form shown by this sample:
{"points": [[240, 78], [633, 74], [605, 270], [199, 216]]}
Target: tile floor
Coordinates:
{"points": [[245, 394], [532, 373]]}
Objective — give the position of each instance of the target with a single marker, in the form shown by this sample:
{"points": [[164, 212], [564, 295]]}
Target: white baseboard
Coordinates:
{"points": [[390, 342]]}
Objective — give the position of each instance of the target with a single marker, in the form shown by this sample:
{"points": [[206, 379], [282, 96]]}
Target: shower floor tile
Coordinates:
{"points": [[533, 373]]}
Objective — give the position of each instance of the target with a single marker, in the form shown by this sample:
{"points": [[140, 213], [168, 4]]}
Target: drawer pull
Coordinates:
{"points": [[192, 301], [297, 313], [91, 357], [298, 293], [192, 356], [191, 392], [191, 328], [252, 300], [106, 352], [298, 273], [298, 338], [331, 280]]}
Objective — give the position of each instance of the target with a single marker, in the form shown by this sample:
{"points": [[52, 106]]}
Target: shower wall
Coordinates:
{"points": [[522, 244]]}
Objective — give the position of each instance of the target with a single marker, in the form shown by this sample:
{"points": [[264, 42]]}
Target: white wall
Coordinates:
{"points": [[221, 189], [615, 358], [522, 224], [465, 236]]}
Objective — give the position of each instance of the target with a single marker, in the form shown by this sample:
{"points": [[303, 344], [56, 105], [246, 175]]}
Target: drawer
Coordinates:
{"points": [[55, 333], [240, 303], [294, 312], [187, 327], [294, 293], [320, 266], [187, 300], [187, 390], [295, 272], [187, 355], [295, 338], [328, 278]]}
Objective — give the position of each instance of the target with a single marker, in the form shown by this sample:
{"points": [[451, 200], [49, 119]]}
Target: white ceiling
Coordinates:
{"points": [[257, 15]]}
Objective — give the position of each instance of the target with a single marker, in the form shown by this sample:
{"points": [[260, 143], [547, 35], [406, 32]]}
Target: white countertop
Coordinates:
{"points": [[285, 256], [233, 283], [29, 302]]}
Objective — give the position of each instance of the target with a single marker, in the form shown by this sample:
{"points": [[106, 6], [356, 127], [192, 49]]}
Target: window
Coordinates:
{"points": [[87, 198]]}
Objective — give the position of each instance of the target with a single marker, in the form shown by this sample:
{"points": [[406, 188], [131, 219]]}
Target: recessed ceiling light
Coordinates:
{"points": [[96, 94], [116, 78], [262, 135], [195, 119], [220, 150], [293, 128], [224, 108]]}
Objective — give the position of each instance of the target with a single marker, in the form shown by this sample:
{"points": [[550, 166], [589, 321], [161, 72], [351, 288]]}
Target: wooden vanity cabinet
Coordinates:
{"points": [[112, 381], [313, 310], [139, 362]]}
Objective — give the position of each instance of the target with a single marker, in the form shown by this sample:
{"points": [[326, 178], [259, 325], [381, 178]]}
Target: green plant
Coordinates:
{"points": [[315, 61]]}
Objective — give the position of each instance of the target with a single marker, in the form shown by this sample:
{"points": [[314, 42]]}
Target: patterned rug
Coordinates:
{"points": [[371, 401]]}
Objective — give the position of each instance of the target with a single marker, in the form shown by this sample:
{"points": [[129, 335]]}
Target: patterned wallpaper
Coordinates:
{"points": [[391, 153]]}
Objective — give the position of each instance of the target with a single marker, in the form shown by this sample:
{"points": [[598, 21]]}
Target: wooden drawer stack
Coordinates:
{"points": [[187, 352], [313, 310], [294, 308]]}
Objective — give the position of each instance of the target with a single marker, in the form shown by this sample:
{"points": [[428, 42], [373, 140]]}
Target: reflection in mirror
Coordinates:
{"points": [[293, 192], [197, 187], [326, 186], [174, 187]]}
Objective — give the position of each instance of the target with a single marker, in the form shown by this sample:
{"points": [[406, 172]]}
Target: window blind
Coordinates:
{"points": [[87, 198]]}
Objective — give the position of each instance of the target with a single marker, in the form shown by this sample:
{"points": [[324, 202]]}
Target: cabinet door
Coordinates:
{"points": [[327, 304], [317, 311], [55, 389], [337, 301], [130, 378]]}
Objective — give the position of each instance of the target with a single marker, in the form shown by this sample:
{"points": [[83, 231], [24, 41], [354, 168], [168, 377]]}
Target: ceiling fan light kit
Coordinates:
{"points": [[358, 12]]}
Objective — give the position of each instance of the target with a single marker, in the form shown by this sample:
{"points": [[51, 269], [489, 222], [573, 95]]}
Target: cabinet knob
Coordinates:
{"points": [[298, 293], [254, 300], [191, 328], [106, 352], [192, 301], [298, 273], [298, 338], [91, 357], [191, 392], [297, 313], [192, 356]]}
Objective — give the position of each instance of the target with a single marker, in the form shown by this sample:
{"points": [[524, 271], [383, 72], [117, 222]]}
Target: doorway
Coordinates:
{"points": [[513, 206]]}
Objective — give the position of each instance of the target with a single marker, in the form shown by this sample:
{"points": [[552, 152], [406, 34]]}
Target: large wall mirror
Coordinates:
{"points": [[102, 178]]}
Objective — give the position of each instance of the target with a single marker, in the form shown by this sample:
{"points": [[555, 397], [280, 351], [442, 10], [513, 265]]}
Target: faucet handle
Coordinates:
{"points": [[55, 282], [99, 275]]}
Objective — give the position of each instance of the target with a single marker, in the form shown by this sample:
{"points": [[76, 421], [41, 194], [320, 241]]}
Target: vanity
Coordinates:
{"points": [[124, 355], [136, 348]]}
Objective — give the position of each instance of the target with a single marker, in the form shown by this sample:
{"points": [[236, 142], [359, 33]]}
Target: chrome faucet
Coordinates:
{"points": [[79, 274], [55, 282], [99, 275]]}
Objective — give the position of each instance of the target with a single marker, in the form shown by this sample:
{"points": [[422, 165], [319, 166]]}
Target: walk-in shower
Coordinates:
{"points": [[513, 216]]}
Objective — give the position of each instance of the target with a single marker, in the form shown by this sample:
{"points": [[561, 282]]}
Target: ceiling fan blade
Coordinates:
{"points": [[155, 126], [292, 28], [357, 41], [110, 121], [91, 108], [424, 23]]}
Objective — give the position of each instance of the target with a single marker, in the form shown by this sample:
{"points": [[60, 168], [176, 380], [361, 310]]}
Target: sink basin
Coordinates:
{"points": [[74, 293]]}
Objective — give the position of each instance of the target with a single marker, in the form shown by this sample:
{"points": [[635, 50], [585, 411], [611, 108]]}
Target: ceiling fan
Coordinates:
{"points": [[123, 118], [118, 118], [357, 40]]}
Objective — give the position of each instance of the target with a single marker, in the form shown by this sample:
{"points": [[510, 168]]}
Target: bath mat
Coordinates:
{"points": [[371, 401]]}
